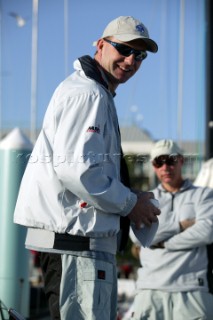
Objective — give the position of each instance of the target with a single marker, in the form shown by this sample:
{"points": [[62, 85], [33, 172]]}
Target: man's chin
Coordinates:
{"points": [[167, 179]]}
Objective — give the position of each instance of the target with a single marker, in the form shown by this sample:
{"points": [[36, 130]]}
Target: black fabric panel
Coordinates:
{"points": [[71, 243], [210, 267], [124, 221]]}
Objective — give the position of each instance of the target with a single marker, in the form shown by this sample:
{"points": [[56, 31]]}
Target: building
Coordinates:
{"points": [[137, 144]]}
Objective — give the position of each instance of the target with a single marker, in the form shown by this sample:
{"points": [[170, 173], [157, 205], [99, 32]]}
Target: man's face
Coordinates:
{"points": [[168, 169], [119, 68]]}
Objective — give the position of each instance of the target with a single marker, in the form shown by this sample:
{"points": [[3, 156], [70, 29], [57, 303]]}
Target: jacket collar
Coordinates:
{"points": [[186, 185], [91, 70]]}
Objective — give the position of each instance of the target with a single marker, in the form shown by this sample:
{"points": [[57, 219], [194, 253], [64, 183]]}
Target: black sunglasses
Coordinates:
{"points": [[127, 51], [169, 160]]}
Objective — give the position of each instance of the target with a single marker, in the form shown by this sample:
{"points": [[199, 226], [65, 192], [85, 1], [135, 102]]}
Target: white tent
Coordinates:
{"points": [[205, 176]]}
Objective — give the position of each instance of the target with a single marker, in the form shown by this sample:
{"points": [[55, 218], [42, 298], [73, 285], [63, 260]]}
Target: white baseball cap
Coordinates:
{"points": [[127, 28], [165, 147]]}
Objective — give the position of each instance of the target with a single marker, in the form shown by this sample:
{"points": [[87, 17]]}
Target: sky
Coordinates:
{"points": [[167, 95]]}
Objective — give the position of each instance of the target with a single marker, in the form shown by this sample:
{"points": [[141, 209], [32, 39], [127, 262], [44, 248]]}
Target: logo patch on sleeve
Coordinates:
{"points": [[101, 274], [93, 129]]}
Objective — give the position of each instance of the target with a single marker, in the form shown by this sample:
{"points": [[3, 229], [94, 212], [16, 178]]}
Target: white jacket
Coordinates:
{"points": [[72, 181]]}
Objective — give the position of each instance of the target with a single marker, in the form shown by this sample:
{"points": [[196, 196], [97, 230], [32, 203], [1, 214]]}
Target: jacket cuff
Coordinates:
{"points": [[130, 203]]}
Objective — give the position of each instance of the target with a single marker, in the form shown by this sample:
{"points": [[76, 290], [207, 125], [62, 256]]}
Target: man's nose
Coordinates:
{"points": [[164, 166]]}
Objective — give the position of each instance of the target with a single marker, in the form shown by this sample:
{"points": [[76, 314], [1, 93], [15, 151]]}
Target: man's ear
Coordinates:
{"points": [[99, 47], [100, 43], [181, 159]]}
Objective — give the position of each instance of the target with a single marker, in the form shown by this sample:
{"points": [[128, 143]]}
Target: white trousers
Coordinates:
{"points": [[88, 289], [161, 305]]}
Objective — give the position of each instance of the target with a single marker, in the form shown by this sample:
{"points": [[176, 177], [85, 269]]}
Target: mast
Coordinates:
{"points": [[180, 72], [34, 70], [209, 80], [66, 38], [1, 43]]}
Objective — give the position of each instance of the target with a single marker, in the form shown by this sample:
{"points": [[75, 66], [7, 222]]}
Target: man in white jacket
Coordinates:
{"points": [[175, 281], [75, 194]]}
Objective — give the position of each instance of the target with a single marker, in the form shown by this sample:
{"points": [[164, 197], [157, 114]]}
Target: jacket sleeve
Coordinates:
{"points": [[86, 150], [166, 231], [201, 233]]}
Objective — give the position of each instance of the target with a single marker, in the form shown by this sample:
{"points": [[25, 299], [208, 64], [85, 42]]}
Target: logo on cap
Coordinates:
{"points": [[140, 28]]}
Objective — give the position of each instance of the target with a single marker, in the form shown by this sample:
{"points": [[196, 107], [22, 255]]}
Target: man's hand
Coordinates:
{"points": [[186, 224], [144, 212]]}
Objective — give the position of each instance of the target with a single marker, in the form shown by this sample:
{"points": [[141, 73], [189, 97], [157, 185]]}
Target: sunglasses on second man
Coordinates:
{"points": [[169, 160], [126, 51]]}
